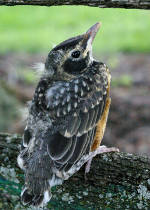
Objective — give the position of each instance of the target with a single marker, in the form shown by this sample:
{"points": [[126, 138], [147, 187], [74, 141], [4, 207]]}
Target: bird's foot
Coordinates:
{"points": [[99, 150], [87, 158]]}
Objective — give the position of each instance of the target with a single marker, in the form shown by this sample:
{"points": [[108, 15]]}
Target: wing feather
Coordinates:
{"points": [[68, 155], [80, 143], [91, 116], [91, 137], [76, 128], [66, 150], [96, 111], [58, 146], [85, 119]]}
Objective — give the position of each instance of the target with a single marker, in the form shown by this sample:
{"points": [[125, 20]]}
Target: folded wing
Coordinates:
{"points": [[75, 138]]}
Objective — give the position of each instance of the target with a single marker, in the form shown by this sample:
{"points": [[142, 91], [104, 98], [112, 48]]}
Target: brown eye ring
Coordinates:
{"points": [[76, 54]]}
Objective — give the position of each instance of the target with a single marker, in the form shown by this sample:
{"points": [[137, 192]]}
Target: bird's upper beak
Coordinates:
{"points": [[89, 36]]}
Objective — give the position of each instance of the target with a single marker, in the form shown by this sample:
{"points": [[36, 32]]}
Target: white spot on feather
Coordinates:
{"points": [[76, 81], [67, 84], [69, 107], [58, 113], [64, 101], [85, 110], [47, 197], [79, 134], [84, 84], [56, 103], [100, 99], [20, 162], [57, 96], [62, 90], [64, 111], [81, 92], [75, 104], [76, 96], [68, 98], [104, 93], [67, 134], [52, 92], [88, 88], [40, 95], [76, 88], [92, 105]]}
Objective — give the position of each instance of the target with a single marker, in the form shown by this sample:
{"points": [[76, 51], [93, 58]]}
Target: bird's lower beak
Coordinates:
{"points": [[89, 36]]}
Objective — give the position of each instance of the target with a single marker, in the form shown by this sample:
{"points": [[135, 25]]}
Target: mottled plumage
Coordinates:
{"points": [[67, 117]]}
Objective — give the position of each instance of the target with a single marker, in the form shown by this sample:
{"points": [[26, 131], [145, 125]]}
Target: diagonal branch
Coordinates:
{"points": [[130, 171], [127, 4]]}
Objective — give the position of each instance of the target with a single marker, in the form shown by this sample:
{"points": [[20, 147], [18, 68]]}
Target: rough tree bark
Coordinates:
{"points": [[128, 4], [116, 181]]}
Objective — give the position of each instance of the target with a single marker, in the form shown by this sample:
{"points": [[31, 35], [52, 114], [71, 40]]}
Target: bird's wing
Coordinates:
{"points": [[81, 116]]}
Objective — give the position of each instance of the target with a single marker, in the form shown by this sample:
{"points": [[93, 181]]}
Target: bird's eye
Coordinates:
{"points": [[76, 54]]}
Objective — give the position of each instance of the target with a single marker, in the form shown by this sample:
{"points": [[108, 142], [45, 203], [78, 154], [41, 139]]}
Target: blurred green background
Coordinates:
{"points": [[37, 29]]}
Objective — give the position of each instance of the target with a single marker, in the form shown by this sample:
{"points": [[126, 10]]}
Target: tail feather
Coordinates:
{"points": [[39, 200], [39, 178], [26, 196]]}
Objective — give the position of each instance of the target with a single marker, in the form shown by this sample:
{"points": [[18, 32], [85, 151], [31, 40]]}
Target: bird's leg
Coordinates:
{"points": [[86, 158], [99, 150]]}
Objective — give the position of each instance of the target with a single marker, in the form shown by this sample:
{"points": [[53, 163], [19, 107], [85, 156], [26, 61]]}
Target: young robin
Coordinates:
{"points": [[67, 117]]}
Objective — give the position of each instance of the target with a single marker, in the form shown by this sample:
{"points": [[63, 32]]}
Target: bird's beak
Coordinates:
{"points": [[89, 36]]}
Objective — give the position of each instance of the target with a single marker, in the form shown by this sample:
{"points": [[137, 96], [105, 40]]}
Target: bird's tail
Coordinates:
{"points": [[39, 178], [37, 191], [38, 173], [28, 197]]}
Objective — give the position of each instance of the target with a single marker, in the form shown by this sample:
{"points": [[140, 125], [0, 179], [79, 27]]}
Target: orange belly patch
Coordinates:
{"points": [[100, 129]]}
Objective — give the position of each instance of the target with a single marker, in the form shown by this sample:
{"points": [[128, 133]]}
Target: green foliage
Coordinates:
{"points": [[35, 29], [124, 80], [27, 75]]}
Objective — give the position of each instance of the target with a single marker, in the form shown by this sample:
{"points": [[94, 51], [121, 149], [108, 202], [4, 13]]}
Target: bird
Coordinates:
{"points": [[67, 118]]}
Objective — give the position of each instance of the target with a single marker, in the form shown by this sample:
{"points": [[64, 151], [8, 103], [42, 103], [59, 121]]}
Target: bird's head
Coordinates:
{"points": [[72, 57]]}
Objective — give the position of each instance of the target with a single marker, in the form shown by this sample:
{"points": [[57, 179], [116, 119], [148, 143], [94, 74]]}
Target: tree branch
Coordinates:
{"points": [[128, 4], [111, 176]]}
